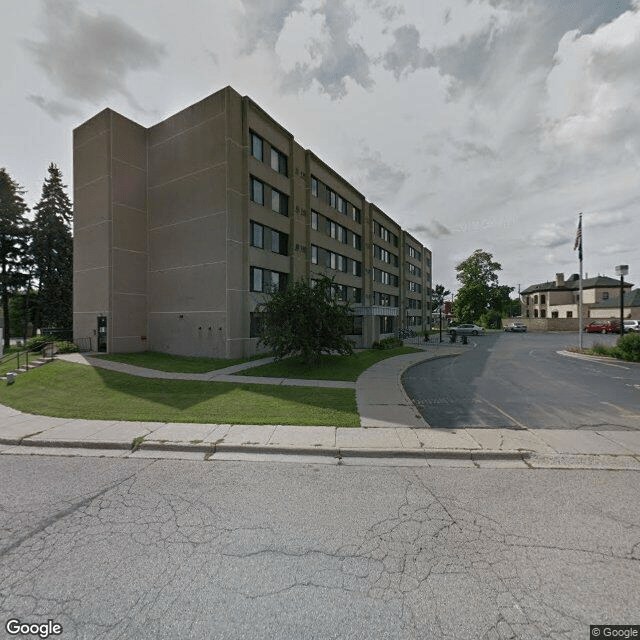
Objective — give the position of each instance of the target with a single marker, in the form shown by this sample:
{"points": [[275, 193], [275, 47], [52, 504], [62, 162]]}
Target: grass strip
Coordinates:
{"points": [[329, 368], [67, 390], [178, 364]]}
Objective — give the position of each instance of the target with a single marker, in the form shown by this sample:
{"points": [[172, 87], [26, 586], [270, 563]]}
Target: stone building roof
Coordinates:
{"points": [[573, 284]]}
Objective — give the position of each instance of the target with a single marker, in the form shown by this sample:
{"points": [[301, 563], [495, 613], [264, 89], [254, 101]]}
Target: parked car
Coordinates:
{"points": [[603, 326], [467, 330], [632, 325], [516, 327]]}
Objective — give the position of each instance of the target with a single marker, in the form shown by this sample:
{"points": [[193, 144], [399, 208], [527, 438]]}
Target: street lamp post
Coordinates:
{"points": [[622, 270]]}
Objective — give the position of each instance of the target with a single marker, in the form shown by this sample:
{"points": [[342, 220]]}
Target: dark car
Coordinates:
{"points": [[603, 326], [516, 327]]}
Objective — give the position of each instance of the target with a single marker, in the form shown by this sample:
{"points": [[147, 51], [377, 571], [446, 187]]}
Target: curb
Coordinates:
{"points": [[334, 452]]}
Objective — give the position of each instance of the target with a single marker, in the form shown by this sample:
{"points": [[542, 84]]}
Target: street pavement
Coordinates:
{"points": [[392, 430]]}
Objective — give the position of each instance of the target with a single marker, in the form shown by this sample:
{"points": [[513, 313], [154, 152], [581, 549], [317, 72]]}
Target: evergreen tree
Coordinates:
{"points": [[52, 248], [14, 229]]}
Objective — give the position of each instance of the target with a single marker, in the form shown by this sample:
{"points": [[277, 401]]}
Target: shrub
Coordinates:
{"points": [[37, 342], [602, 350], [66, 347], [628, 347], [376, 345]]}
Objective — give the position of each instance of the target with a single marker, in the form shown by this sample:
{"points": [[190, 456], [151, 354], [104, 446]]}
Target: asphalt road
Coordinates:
{"points": [[520, 381], [121, 549]]}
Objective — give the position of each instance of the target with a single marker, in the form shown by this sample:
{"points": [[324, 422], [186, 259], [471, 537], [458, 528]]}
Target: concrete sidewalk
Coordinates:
{"points": [[392, 431]]}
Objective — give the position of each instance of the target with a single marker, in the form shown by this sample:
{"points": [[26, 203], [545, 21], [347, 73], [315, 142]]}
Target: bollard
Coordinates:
{"points": [[464, 339], [11, 377]]}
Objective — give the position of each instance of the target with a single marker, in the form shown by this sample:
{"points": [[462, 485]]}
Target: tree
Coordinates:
{"points": [[14, 228], [480, 291], [52, 248], [306, 319]]}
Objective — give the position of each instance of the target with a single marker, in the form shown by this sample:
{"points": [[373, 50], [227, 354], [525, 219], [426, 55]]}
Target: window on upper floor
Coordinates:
{"points": [[543, 299], [279, 202], [257, 191], [279, 162], [257, 146], [605, 295]]}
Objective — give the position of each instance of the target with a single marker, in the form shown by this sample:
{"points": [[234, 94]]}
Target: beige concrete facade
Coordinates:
{"points": [[181, 228]]}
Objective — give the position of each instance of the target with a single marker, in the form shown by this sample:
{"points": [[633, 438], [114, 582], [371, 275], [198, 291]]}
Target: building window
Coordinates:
{"points": [[413, 270], [314, 254], [605, 295], [569, 314], [257, 191], [543, 299], [279, 162], [279, 202], [265, 281], [535, 299], [255, 324], [386, 324], [356, 241], [356, 215], [543, 313], [279, 242], [554, 314], [356, 268], [414, 287], [535, 313], [356, 326], [414, 253], [257, 235], [256, 147], [314, 186], [314, 220]]}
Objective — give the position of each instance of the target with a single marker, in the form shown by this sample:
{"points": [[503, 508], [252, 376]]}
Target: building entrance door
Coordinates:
{"points": [[102, 333]]}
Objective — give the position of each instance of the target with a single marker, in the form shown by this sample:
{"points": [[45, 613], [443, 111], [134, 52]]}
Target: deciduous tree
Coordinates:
{"points": [[480, 291], [306, 319]]}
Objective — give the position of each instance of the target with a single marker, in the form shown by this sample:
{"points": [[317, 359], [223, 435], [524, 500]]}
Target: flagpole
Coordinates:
{"points": [[579, 242]]}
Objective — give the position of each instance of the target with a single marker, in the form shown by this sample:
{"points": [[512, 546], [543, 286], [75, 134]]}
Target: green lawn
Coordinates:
{"points": [[330, 367], [68, 390], [180, 364]]}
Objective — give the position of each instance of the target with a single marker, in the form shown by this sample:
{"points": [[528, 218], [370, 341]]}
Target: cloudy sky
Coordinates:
{"points": [[475, 123]]}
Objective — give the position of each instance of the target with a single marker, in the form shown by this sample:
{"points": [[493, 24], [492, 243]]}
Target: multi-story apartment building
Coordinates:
{"points": [[560, 298], [183, 228]]}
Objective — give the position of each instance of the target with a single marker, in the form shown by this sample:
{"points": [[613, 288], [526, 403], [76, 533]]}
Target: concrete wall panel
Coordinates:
{"points": [[197, 148], [129, 141], [200, 288], [129, 186], [91, 204], [195, 334], [193, 242], [129, 315], [192, 196], [210, 107], [91, 247], [91, 290], [129, 229], [129, 271], [91, 160]]}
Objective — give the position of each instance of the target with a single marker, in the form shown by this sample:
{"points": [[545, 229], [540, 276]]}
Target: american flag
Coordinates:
{"points": [[578, 243]]}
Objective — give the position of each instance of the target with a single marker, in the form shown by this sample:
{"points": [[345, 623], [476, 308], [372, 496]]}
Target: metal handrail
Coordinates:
{"points": [[26, 353]]}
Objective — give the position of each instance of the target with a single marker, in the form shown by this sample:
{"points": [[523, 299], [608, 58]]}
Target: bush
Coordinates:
{"points": [[37, 342], [62, 346], [602, 350], [628, 347], [387, 343], [66, 347]]}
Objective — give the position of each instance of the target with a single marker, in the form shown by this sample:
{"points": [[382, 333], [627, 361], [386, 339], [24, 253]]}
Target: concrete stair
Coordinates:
{"points": [[33, 364]]}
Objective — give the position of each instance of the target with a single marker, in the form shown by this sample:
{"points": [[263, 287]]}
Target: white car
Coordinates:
{"points": [[467, 330], [632, 325]]}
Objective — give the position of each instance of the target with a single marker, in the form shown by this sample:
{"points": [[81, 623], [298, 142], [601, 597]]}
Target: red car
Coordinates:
{"points": [[603, 326]]}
